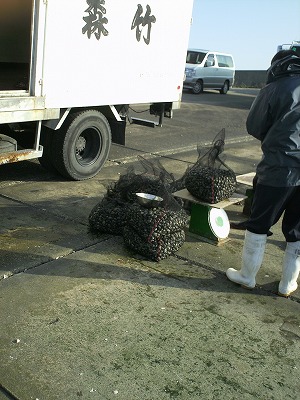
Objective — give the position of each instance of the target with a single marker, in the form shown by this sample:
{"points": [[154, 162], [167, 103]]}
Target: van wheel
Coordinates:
{"points": [[198, 87], [81, 146], [225, 88]]}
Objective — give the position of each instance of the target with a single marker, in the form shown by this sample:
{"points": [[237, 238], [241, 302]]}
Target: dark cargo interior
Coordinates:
{"points": [[15, 44]]}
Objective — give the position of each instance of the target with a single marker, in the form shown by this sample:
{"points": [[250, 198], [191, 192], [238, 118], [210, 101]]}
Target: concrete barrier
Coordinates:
{"points": [[252, 79]]}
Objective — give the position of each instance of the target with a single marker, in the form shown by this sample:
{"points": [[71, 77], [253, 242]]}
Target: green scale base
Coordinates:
{"points": [[203, 223], [209, 221]]}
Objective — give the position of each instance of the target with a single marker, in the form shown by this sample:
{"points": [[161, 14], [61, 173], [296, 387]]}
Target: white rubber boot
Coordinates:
{"points": [[253, 253], [290, 269]]}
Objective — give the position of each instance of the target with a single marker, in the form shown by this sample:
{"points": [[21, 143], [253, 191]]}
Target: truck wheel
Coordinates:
{"points": [[225, 88], [198, 87], [81, 146], [46, 141]]}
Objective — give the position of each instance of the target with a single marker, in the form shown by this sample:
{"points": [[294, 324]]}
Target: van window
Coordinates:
{"points": [[212, 62], [224, 61], [195, 57]]}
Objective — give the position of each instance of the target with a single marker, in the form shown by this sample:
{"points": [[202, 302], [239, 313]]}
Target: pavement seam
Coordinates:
{"points": [[7, 393], [43, 210], [10, 274], [191, 262], [166, 153]]}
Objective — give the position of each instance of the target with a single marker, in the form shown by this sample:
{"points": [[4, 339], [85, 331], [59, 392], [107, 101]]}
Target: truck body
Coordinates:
{"points": [[71, 68]]}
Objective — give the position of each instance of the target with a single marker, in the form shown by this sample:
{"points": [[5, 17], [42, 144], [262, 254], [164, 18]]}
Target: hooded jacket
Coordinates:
{"points": [[274, 119]]}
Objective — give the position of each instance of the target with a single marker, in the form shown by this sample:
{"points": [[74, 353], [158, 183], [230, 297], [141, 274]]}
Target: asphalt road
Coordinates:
{"points": [[200, 118], [197, 122], [191, 130]]}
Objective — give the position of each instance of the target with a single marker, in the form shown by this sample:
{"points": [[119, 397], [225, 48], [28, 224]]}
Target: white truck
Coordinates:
{"points": [[69, 69]]}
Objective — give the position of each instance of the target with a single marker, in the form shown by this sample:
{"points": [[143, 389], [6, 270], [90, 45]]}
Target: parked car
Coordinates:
{"points": [[208, 70]]}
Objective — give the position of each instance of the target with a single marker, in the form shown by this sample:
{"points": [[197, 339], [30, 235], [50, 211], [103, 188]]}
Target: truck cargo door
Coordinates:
{"points": [[15, 44]]}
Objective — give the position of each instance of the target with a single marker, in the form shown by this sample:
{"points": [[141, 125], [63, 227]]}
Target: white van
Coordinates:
{"points": [[208, 70]]}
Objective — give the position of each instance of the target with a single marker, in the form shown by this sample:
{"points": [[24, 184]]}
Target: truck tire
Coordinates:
{"points": [[46, 141], [23, 133], [81, 146], [7, 144], [198, 87]]}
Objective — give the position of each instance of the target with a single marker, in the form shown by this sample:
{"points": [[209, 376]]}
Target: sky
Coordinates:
{"points": [[250, 30]]}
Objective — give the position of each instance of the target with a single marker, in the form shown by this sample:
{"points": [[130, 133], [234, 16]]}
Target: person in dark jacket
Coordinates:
{"points": [[274, 119]]}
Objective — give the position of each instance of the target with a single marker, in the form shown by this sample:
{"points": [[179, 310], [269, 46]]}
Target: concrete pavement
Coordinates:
{"points": [[84, 318]]}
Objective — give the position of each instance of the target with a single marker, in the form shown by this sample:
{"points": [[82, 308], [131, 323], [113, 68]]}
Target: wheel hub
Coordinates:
{"points": [[80, 144]]}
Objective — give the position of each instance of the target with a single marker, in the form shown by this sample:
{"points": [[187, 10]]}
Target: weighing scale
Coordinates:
{"points": [[209, 221]]}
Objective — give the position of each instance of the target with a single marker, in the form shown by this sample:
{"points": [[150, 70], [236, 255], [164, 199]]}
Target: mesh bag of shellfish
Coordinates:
{"points": [[155, 168], [155, 249], [110, 214], [131, 183], [210, 179], [155, 233]]}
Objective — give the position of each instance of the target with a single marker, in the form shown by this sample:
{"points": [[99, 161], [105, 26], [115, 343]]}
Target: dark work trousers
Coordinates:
{"points": [[269, 203]]}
